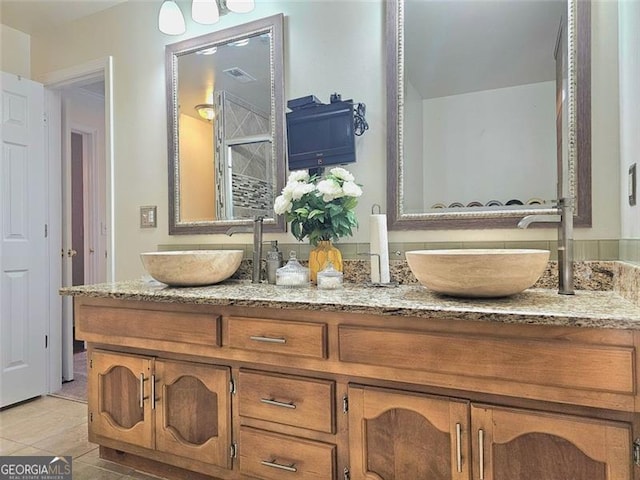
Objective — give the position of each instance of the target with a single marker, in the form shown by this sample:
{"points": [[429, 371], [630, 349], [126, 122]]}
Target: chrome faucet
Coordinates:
{"points": [[256, 272], [564, 218]]}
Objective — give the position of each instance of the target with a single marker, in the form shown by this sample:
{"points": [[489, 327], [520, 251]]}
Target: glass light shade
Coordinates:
{"points": [[170, 19], [205, 11], [240, 6], [206, 111]]}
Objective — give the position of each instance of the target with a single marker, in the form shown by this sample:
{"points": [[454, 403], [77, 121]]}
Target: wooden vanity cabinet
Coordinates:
{"points": [[314, 395], [527, 445], [179, 408], [395, 435], [283, 401], [119, 389]]}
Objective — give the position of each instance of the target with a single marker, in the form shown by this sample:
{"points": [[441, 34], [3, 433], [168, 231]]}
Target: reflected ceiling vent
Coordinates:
{"points": [[239, 74]]}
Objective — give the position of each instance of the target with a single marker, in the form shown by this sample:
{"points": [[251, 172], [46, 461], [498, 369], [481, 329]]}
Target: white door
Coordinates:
{"points": [[24, 255]]}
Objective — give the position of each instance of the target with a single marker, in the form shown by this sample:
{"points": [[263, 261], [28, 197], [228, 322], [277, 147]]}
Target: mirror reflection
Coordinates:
{"points": [[480, 104], [225, 97], [476, 91]]}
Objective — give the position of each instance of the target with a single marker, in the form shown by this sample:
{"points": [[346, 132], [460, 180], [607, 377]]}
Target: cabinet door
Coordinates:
{"points": [[532, 446], [395, 435], [118, 396], [193, 411]]}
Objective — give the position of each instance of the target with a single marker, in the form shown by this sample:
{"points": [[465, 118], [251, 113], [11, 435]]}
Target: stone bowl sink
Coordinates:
{"points": [[478, 272], [192, 268]]}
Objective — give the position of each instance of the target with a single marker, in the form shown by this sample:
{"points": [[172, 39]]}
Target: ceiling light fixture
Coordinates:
{"points": [[240, 6], [170, 19], [205, 11], [206, 111]]}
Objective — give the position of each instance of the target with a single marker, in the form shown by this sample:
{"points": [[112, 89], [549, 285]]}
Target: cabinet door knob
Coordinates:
{"points": [[71, 252], [273, 464]]}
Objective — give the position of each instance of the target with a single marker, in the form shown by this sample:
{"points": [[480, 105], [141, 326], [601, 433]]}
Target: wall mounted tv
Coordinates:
{"points": [[320, 135]]}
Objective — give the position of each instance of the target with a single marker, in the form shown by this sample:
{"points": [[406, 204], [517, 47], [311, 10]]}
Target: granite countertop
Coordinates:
{"points": [[595, 309]]}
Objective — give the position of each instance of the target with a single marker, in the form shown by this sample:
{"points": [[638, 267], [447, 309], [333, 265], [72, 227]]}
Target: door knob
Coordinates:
{"points": [[71, 252]]}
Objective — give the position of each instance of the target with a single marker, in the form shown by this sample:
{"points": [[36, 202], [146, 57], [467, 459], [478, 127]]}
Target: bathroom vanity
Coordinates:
{"points": [[242, 381]]}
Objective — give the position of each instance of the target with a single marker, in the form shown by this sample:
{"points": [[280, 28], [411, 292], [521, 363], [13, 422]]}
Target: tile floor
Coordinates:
{"points": [[56, 426]]}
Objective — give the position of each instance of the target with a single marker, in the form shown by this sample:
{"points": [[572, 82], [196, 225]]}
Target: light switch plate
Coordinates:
{"points": [[148, 217], [632, 185]]}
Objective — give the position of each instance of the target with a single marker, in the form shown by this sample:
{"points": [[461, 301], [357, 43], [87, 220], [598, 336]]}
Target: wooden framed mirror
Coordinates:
{"points": [[456, 130], [225, 125]]}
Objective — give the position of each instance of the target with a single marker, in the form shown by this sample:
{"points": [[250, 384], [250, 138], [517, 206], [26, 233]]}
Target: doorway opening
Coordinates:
{"points": [[80, 122]]}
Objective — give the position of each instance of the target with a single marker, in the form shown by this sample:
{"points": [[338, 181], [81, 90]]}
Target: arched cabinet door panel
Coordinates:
{"points": [[119, 397], [511, 443], [396, 435], [193, 414]]}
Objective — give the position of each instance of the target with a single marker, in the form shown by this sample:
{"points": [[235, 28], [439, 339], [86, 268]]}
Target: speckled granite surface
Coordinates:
{"points": [[627, 281], [604, 309]]}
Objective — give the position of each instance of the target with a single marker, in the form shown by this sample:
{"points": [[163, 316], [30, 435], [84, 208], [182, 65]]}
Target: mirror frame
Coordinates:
{"points": [[274, 25], [579, 132]]}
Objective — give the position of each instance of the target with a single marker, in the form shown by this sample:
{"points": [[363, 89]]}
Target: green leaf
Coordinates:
{"points": [[315, 213]]}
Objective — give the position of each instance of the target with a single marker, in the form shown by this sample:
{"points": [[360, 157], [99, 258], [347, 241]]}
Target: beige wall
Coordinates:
{"points": [[330, 47], [15, 51]]}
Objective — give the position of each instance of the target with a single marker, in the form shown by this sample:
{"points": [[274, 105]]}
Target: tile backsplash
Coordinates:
{"points": [[584, 250]]}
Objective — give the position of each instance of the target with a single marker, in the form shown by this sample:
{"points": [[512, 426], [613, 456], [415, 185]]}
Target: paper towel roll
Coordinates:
{"points": [[379, 248]]}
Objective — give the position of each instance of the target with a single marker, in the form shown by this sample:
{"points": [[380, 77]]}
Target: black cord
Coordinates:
{"points": [[359, 121]]}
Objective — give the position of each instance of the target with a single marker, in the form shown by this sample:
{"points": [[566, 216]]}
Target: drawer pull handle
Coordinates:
{"points": [[142, 390], [273, 464], [459, 447], [256, 338], [481, 450], [153, 392], [276, 403]]}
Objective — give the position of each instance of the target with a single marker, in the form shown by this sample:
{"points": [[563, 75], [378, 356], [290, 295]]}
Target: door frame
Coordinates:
{"points": [[53, 82]]}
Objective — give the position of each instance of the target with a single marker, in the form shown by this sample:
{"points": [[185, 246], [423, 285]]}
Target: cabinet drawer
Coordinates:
{"points": [[271, 456], [552, 363], [172, 331], [276, 336], [299, 402]]}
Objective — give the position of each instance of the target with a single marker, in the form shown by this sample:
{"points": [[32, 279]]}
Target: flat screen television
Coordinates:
{"points": [[321, 135]]}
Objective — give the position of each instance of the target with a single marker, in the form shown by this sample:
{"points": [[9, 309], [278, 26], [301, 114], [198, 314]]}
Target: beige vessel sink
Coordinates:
{"points": [[192, 268], [478, 272]]}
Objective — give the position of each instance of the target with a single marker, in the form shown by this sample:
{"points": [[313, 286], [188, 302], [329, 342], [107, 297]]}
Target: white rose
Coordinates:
{"points": [[298, 176], [329, 190], [299, 189], [351, 189], [282, 205], [342, 174]]}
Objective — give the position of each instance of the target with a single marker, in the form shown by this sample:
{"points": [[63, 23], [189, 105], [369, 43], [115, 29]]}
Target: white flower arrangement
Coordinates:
{"points": [[319, 209]]}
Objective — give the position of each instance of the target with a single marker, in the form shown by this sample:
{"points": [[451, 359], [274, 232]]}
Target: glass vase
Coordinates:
{"points": [[320, 255]]}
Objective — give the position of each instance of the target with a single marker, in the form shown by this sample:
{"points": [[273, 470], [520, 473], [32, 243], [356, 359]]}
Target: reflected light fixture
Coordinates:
{"points": [[170, 19], [240, 6], [205, 11], [206, 111]]}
